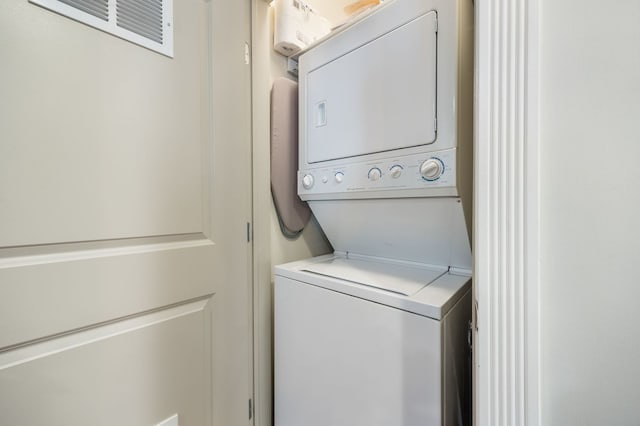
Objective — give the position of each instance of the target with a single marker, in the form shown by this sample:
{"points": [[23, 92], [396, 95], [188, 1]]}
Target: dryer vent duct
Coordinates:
{"points": [[148, 23]]}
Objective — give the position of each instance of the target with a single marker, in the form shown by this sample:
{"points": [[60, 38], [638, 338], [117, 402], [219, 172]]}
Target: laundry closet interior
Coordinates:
{"points": [[369, 108]]}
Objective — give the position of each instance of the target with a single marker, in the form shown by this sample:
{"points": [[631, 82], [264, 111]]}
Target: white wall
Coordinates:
{"points": [[590, 205], [271, 65]]}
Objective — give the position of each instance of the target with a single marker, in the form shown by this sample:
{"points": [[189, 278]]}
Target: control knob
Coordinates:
{"points": [[375, 174], [307, 181], [431, 169], [395, 171], [339, 177]]}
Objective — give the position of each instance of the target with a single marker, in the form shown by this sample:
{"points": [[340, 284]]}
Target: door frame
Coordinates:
{"points": [[262, 288], [506, 214]]}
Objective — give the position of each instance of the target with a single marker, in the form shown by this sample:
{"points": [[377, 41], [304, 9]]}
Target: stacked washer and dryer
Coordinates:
{"points": [[376, 333]]}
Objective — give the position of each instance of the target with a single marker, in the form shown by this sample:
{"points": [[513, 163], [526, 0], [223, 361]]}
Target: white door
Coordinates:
{"points": [[125, 194]]}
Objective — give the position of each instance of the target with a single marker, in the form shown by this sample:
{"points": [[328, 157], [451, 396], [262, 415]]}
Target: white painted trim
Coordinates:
{"points": [[532, 215], [171, 421], [262, 287], [506, 222]]}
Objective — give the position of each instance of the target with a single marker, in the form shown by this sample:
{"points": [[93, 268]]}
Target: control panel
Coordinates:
{"points": [[418, 171]]}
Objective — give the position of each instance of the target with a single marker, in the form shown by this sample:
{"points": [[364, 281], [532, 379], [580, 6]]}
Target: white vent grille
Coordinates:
{"points": [[144, 22]]}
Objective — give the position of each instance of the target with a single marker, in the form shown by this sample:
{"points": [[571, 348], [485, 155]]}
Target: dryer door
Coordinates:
{"points": [[379, 97]]}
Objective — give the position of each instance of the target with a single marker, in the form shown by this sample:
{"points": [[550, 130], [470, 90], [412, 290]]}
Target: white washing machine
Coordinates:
{"points": [[376, 333], [362, 341]]}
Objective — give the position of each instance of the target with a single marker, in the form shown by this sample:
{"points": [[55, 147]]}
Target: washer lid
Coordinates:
{"points": [[402, 279], [440, 289], [427, 230]]}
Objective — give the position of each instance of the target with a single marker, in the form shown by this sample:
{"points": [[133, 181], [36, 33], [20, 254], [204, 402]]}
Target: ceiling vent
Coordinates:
{"points": [[148, 23]]}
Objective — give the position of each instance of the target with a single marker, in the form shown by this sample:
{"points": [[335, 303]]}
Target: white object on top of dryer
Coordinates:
{"points": [[297, 26]]}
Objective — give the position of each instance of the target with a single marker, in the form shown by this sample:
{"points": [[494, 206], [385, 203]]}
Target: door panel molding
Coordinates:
{"points": [[133, 372], [16, 257], [72, 293], [70, 340]]}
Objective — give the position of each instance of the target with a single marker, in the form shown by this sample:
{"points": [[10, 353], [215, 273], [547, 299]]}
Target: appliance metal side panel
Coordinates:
{"points": [[456, 364], [344, 361]]}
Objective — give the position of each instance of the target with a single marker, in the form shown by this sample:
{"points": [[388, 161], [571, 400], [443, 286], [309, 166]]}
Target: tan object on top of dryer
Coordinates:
{"points": [[360, 5]]}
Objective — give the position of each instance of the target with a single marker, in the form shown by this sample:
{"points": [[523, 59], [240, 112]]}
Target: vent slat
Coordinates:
{"points": [[156, 29], [135, 27], [141, 32], [151, 21], [97, 8], [141, 17], [139, 9], [125, 22], [102, 5], [155, 5], [151, 26]]}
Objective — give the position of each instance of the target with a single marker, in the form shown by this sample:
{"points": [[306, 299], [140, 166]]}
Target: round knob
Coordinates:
{"points": [[339, 177], [395, 171], [431, 169], [325, 179], [375, 174], [307, 181]]}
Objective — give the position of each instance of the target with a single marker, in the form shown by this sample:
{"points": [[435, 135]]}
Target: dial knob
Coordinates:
{"points": [[325, 179], [375, 174], [339, 176], [307, 181], [395, 171], [431, 169]]}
